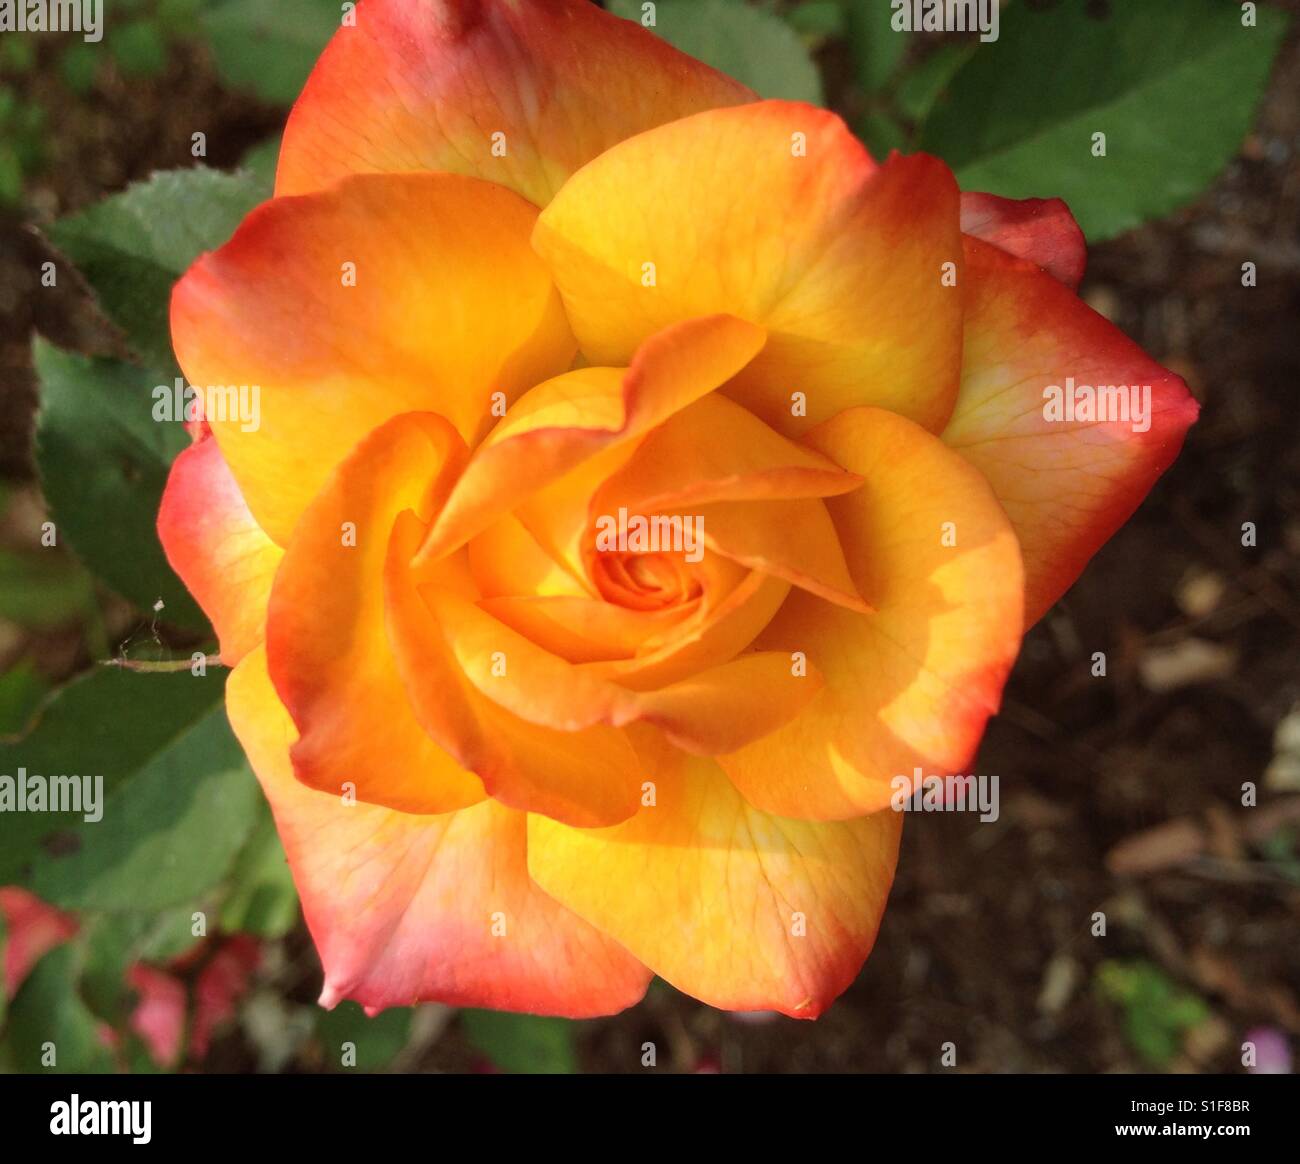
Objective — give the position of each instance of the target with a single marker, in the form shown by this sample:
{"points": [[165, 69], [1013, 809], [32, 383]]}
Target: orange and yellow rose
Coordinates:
{"points": [[527, 268]]}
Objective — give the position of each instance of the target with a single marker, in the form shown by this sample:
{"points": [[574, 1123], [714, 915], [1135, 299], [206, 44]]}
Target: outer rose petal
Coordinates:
{"points": [[1041, 230], [449, 305], [425, 84], [326, 641], [840, 259], [707, 891], [914, 682], [33, 929], [403, 908], [219, 551], [1067, 487]]}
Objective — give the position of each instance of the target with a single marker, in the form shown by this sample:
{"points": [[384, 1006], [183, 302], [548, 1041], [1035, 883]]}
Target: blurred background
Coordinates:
{"points": [[1121, 795]]}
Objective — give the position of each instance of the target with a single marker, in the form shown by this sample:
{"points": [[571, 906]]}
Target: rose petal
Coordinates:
{"points": [[715, 450], [427, 84], [1067, 486], [740, 909], [775, 213], [715, 710], [717, 632], [1041, 230], [326, 638], [914, 682], [585, 630], [794, 540], [506, 560], [219, 551], [274, 309], [560, 424], [585, 777], [406, 909]]}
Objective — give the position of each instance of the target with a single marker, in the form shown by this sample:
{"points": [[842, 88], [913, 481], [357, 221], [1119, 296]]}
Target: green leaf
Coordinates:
{"points": [[43, 589], [177, 17], [133, 247], [269, 48], [881, 133], [753, 46], [110, 943], [261, 162], [139, 49], [1157, 1011], [923, 85], [1173, 85], [114, 942], [78, 66], [877, 48], [168, 836], [11, 175], [523, 1044], [262, 898], [49, 1010], [18, 54], [109, 722], [377, 1041], [820, 19], [104, 462], [22, 688], [169, 935]]}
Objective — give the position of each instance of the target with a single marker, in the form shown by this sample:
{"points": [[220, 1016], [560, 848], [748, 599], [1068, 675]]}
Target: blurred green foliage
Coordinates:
{"points": [[523, 1044], [261, 899], [113, 723], [49, 1017], [1156, 1012], [351, 1041], [1172, 84], [749, 43], [41, 591], [22, 687], [21, 127], [132, 247], [268, 49], [104, 464]]}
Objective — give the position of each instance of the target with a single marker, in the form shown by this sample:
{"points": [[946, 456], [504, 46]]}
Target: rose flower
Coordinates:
{"points": [[645, 478]]}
